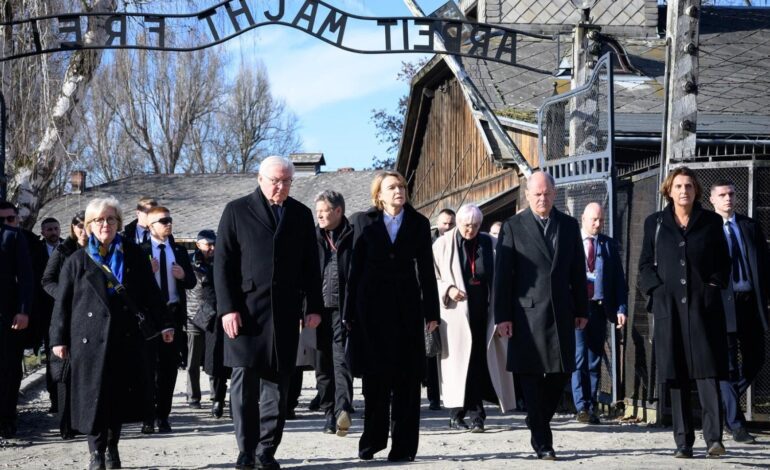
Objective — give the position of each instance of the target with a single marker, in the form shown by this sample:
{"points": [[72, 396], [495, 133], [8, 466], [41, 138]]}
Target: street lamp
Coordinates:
{"points": [[584, 6]]}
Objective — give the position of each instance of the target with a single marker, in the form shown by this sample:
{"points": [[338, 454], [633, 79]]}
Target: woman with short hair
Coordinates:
{"points": [[95, 326]]}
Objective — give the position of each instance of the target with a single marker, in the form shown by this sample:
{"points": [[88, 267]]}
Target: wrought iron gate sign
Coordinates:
{"points": [[230, 18]]}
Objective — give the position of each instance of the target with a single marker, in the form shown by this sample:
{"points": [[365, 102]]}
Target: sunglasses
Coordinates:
{"points": [[164, 221], [7, 219]]}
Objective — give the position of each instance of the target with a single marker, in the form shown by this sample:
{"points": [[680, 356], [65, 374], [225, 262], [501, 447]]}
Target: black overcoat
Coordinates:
{"points": [[16, 276], [264, 272], [392, 294], [540, 289], [83, 317], [206, 307], [692, 267], [63, 251]]}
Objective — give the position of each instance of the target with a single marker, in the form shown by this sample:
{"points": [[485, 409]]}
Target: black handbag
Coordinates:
{"points": [[432, 342], [146, 327]]}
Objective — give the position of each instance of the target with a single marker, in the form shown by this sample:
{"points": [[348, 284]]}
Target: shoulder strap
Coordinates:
{"points": [[655, 243]]}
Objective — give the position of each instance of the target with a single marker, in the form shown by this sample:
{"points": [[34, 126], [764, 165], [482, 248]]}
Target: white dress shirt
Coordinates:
{"points": [[173, 294], [392, 224], [139, 237]]}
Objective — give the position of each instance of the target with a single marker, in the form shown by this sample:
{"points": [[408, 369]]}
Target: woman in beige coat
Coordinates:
{"points": [[472, 362]]}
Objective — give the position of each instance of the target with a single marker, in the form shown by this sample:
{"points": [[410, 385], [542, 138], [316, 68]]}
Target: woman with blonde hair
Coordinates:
{"points": [[107, 305], [392, 300]]}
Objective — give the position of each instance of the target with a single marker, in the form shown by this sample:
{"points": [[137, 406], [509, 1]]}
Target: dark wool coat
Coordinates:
{"points": [[264, 272], [204, 296], [689, 333], [392, 294], [540, 289], [87, 320], [344, 255], [16, 276], [55, 262]]}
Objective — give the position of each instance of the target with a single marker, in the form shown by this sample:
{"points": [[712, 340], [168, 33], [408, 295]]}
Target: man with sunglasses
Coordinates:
{"points": [[174, 274], [138, 230], [16, 290]]}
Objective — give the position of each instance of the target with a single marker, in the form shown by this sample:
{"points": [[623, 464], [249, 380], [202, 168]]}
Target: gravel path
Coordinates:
{"points": [[200, 441]]}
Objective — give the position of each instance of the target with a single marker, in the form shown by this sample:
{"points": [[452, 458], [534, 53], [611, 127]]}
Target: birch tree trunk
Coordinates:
{"points": [[32, 183]]}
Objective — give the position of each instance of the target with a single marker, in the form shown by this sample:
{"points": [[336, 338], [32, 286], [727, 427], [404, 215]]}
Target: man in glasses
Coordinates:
{"points": [[174, 274], [138, 230], [266, 265], [16, 290]]}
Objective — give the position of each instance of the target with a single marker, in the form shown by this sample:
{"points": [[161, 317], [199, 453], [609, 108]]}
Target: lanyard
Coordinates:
{"points": [[332, 246], [472, 259]]}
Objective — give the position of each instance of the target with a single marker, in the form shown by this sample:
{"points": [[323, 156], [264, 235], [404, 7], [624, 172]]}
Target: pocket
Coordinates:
{"points": [[526, 302], [247, 285]]}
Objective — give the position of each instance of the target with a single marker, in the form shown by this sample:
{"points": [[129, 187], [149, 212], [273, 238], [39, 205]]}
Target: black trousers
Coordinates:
{"points": [[259, 411], [11, 354], [391, 403], [195, 345], [541, 396], [50, 383], [167, 368], [294, 389], [334, 378], [681, 411], [218, 388], [431, 380]]}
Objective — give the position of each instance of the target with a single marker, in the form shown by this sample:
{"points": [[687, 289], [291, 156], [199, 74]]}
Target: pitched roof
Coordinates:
{"points": [[196, 201]]}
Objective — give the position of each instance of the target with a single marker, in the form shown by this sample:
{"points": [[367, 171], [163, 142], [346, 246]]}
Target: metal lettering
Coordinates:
{"points": [[160, 30], [310, 18], [483, 44], [234, 14], [452, 42], [423, 32], [109, 28], [387, 24], [206, 15], [405, 31], [334, 24], [507, 36], [281, 11], [72, 28]]}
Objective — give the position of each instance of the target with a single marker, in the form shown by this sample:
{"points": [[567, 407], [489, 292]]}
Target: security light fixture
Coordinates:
{"points": [[584, 4]]}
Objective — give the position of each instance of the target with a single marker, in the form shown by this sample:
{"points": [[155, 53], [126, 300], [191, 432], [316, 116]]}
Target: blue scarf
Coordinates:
{"points": [[110, 257]]}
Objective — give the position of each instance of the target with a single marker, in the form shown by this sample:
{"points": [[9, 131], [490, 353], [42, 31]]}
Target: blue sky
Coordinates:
{"points": [[332, 91]]}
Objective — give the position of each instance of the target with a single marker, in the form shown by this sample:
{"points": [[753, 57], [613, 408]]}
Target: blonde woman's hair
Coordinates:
{"points": [[96, 206], [377, 186]]}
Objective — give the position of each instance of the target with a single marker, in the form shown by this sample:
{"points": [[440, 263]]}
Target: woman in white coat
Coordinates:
{"points": [[472, 362]]}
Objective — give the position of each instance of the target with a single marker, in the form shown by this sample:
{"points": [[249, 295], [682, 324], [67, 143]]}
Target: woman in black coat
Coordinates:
{"points": [[77, 239], [97, 331], [683, 265], [392, 295]]}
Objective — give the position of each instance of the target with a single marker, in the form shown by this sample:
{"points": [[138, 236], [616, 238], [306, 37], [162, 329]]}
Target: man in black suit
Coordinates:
{"points": [[607, 301], [745, 304], [266, 265], [50, 232], [174, 275], [138, 230], [540, 298], [16, 290]]}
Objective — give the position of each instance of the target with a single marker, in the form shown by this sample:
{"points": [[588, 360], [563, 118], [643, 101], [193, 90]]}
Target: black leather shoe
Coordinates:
{"points": [[400, 458], [217, 409], [246, 460], [113, 457], [195, 404], [148, 428], [434, 406], [742, 435], [291, 415], [458, 424], [268, 463], [477, 425], [365, 455], [546, 454], [330, 427], [97, 461], [683, 453], [164, 426], [315, 403], [716, 449]]}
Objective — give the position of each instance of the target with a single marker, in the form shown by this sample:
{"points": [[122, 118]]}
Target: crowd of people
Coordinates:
{"points": [[521, 313]]}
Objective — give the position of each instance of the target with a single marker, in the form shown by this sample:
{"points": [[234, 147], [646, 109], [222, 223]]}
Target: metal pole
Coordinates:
{"points": [[3, 181]]}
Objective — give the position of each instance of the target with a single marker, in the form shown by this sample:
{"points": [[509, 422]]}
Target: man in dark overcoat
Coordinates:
{"points": [[539, 300], [138, 231], [16, 291], [266, 265], [745, 303]]}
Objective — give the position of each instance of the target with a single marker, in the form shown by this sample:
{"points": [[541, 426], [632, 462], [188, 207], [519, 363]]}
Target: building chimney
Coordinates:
{"points": [[346, 169], [78, 181]]}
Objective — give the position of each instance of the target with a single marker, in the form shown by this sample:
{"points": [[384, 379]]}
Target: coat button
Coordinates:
{"points": [[683, 281], [684, 300], [681, 261], [85, 340], [125, 309], [90, 314], [681, 243], [729, 297]]}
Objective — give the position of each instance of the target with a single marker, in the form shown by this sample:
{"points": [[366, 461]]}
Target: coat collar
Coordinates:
{"points": [[259, 206], [535, 230], [695, 215]]}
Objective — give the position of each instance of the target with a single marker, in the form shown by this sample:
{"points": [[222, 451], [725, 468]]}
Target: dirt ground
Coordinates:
{"points": [[199, 441]]}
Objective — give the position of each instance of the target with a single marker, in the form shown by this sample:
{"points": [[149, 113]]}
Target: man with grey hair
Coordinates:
{"points": [[333, 374], [266, 265], [539, 285]]}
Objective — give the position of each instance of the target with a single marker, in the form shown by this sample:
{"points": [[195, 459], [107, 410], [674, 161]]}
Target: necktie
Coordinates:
{"points": [[145, 236], [163, 272], [591, 265], [277, 213], [739, 269], [544, 223]]}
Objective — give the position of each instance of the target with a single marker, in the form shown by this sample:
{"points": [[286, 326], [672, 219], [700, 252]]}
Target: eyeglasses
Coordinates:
{"points": [[164, 221], [278, 182], [8, 219], [109, 221]]}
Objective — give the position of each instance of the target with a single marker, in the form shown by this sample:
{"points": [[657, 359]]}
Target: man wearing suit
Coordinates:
{"points": [[174, 275], [266, 265], [540, 284], [16, 291], [138, 230], [745, 304], [607, 300], [49, 240]]}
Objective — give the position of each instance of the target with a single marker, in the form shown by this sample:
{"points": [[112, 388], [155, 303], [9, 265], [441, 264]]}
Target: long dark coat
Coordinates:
{"points": [[755, 243], [344, 255], [204, 296], [16, 276], [83, 318], [542, 290], [55, 263], [264, 272], [392, 294], [690, 338]]}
